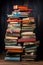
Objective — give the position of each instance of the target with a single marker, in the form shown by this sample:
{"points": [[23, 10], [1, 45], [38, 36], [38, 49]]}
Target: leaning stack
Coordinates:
{"points": [[28, 37], [13, 51]]}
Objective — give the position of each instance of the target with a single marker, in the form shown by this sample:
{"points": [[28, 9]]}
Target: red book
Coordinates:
{"points": [[27, 40], [13, 20]]}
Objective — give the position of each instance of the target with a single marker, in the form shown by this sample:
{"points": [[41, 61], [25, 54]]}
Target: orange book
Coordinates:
{"points": [[22, 8], [15, 51]]}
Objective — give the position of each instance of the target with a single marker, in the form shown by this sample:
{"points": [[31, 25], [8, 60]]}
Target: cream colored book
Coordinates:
{"points": [[27, 33], [29, 19], [13, 47], [8, 37]]}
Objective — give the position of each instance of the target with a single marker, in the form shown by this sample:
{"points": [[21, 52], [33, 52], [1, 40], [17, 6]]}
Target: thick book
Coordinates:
{"points": [[10, 31], [10, 41], [12, 34], [14, 49]]}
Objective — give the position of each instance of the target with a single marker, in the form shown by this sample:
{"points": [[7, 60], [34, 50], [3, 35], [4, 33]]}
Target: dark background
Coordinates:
{"points": [[6, 7]]}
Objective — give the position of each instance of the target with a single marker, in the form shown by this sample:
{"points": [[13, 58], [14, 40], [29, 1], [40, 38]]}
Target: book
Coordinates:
{"points": [[31, 48], [15, 16], [15, 51], [26, 40], [13, 38], [12, 58], [21, 8], [21, 13], [10, 44], [27, 33], [32, 36], [13, 47], [13, 20], [10, 40], [10, 31], [14, 25]]}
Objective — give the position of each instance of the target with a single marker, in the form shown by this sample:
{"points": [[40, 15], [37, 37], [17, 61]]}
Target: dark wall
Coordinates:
{"points": [[6, 8], [36, 5]]}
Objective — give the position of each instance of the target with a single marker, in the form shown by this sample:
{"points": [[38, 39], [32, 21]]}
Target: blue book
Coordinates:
{"points": [[12, 58], [16, 16]]}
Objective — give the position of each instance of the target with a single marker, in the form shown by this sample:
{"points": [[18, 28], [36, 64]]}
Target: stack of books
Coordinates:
{"points": [[20, 40], [28, 37], [13, 53], [13, 50], [12, 32]]}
